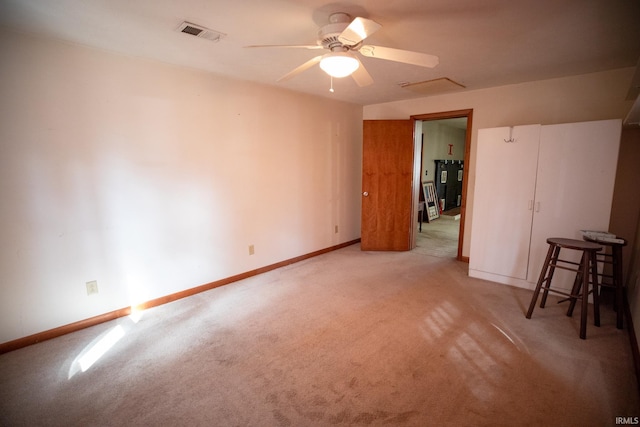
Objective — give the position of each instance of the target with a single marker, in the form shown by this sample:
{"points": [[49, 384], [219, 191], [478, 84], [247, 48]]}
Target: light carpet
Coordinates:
{"points": [[439, 237], [345, 338]]}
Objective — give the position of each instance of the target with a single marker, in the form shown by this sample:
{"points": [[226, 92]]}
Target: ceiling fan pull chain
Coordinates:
{"points": [[331, 88]]}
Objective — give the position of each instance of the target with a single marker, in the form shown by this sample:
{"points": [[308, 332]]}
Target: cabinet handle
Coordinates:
{"points": [[537, 206], [365, 194], [530, 205]]}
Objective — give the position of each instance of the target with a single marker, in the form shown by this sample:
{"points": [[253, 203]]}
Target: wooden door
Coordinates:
{"points": [[503, 202], [576, 174], [387, 175]]}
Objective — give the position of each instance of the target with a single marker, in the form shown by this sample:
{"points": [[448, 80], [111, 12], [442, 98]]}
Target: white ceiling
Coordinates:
{"points": [[480, 43]]}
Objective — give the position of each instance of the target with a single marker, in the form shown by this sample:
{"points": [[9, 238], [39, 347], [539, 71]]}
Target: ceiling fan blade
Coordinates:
{"points": [[358, 30], [362, 76], [288, 46], [398, 55], [310, 63]]}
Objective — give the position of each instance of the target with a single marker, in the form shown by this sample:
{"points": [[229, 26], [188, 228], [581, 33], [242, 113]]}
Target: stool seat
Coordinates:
{"points": [[578, 245], [580, 288]]}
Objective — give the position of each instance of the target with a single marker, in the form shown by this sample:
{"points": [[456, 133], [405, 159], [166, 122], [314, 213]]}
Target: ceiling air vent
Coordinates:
{"points": [[432, 87], [199, 31]]}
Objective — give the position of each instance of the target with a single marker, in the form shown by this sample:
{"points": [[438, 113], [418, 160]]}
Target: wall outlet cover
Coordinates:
{"points": [[92, 287]]}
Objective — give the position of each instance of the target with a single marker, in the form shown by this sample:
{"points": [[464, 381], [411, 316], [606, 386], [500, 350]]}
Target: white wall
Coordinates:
{"points": [[152, 179], [596, 96]]}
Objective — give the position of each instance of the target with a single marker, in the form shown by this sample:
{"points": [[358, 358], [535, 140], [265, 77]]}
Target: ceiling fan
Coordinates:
{"points": [[344, 37]]}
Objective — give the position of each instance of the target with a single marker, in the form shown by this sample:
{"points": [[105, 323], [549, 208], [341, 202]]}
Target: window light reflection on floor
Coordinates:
{"points": [[94, 351], [103, 343], [136, 314]]}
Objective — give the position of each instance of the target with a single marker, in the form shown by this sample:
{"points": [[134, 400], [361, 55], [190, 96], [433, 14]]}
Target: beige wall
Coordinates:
{"points": [[573, 99], [152, 179]]}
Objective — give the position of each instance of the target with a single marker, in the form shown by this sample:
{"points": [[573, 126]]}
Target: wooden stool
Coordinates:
{"points": [[613, 257], [583, 269]]}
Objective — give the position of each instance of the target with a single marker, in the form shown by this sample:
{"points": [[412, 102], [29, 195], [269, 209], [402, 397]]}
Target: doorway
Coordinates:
{"points": [[443, 139]]}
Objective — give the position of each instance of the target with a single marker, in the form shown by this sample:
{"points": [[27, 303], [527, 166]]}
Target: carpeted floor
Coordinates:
{"points": [[439, 237], [346, 338]]}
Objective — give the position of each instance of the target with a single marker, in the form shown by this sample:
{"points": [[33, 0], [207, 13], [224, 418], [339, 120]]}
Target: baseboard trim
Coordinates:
{"points": [[92, 321]]}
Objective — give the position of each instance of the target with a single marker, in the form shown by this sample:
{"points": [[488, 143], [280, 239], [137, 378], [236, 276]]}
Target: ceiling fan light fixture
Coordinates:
{"points": [[339, 64]]}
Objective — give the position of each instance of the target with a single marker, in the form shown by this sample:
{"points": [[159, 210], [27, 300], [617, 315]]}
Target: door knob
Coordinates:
{"points": [[365, 194]]}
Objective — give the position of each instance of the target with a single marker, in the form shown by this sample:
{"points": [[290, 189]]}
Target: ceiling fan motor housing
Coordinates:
{"points": [[328, 35]]}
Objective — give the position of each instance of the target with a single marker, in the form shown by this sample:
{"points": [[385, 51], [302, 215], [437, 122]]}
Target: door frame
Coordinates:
{"points": [[468, 113]]}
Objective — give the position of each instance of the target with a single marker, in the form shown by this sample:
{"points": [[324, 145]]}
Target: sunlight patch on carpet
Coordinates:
{"points": [[94, 351]]}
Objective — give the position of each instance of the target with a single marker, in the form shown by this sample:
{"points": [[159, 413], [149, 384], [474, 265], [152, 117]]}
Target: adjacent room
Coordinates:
{"points": [[206, 223], [442, 148]]}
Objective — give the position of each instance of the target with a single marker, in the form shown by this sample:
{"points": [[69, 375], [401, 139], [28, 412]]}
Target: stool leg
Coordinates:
{"points": [[585, 294], [575, 290], [616, 251], [552, 269], [536, 292], [596, 291]]}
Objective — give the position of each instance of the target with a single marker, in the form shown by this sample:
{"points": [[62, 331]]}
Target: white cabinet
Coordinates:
{"points": [[534, 182], [504, 188]]}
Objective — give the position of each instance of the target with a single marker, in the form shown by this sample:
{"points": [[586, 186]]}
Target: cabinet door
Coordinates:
{"points": [[576, 173], [452, 185], [441, 186], [503, 200]]}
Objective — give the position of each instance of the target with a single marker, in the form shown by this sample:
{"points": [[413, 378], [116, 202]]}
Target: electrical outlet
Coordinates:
{"points": [[92, 287], [251, 250]]}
